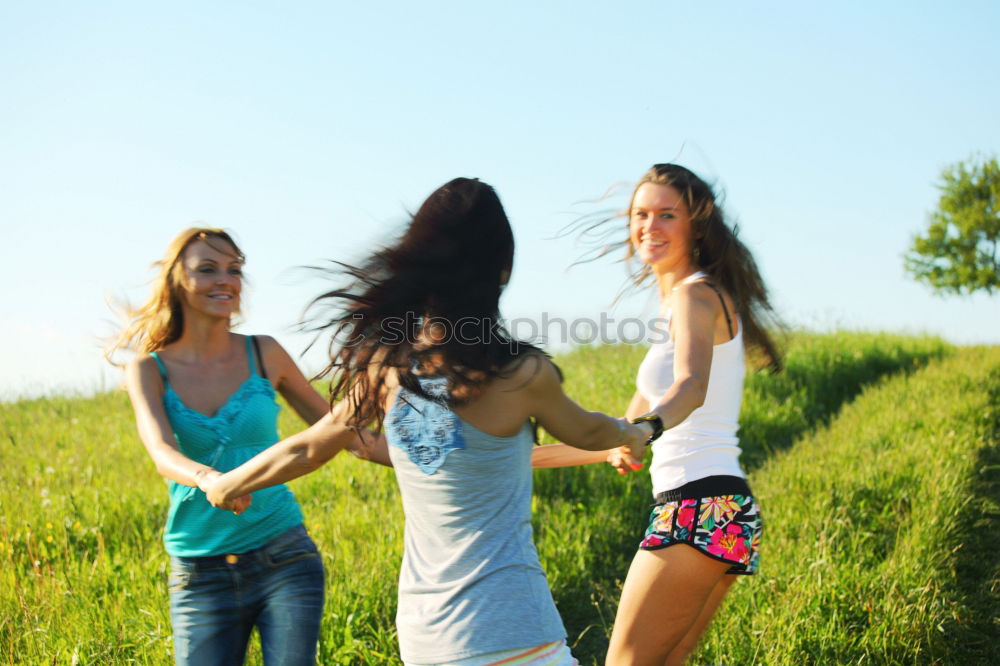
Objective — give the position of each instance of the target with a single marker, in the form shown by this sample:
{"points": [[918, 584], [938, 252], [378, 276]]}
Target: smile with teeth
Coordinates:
{"points": [[221, 297]]}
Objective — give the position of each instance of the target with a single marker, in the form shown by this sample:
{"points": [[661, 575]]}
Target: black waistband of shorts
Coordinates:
{"points": [[710, 486]]}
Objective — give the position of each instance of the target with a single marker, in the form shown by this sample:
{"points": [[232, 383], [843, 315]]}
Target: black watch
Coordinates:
{"points": [[653, 419]]}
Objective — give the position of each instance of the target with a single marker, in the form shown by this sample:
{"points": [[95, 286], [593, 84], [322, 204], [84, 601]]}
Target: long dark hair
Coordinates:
{"points": [[427, 305], [720, 254]]}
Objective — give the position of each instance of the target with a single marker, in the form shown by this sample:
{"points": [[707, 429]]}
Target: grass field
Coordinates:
{"points": [[875, 458]]}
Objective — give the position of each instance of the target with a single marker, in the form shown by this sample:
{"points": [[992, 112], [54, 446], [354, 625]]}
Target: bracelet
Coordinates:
{"points": [[653, 419]]}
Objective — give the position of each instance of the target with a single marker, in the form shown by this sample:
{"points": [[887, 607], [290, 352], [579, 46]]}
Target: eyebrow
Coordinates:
{"points": [[236, 262]]}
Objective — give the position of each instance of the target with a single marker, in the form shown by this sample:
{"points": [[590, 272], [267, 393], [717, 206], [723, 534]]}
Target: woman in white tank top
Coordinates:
{"points": [[689, 391]]}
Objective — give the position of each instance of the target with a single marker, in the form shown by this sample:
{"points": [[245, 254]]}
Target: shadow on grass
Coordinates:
{"points": [[778, 409], [970, 635]]}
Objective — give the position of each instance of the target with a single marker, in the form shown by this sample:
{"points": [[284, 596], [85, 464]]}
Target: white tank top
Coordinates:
{"points": [[705, 443]]}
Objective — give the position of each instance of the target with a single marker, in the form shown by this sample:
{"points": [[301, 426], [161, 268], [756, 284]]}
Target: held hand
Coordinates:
{"points": [[628, 457], [205, 478], [217, 497], [240, 504]]}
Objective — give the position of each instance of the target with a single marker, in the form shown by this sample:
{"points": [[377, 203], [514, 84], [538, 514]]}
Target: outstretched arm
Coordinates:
{"points": [[562, 455], [594, 432], [552, 456], [310, 405], [289, 459]]}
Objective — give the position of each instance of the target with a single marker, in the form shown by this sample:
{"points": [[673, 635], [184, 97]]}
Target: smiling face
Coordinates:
{"points": [[211, 278], [660, 228]]}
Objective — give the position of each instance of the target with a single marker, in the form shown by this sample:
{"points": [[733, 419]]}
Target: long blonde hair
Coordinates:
{"points": [[160, 321]]}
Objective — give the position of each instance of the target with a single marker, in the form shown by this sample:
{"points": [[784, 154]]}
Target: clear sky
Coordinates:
{"points": [[309, 128]]}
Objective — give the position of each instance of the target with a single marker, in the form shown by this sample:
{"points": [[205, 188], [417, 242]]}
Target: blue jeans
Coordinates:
{"points": [[216, 601]]}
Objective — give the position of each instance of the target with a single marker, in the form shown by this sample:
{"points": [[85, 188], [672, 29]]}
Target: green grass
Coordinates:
{"points": [[606, 514], [874, 456], [881, 531]]}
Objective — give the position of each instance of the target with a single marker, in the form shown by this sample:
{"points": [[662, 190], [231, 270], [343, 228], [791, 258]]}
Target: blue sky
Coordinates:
{"points": [[309, 128]]}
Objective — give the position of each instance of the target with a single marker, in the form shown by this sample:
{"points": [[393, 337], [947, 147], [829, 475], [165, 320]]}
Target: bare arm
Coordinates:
{"points": [[552, 456], [311, 406], [289, 459], [371, 446], [594, 432], [637, 406], [145, 390], [563, 455], [695, 310], [291, 383], [293, 456]]}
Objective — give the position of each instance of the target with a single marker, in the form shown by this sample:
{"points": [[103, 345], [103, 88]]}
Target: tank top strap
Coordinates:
{"points": [[700, 275], [251, 357], [725, 310], [159, 364]]}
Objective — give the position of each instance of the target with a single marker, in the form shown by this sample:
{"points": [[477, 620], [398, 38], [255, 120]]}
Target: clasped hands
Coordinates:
{"points": [[628, 456], [208, 483]]}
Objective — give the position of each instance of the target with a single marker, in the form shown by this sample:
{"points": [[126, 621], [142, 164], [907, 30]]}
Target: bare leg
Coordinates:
{"points": [[691, 638], [663, 596]]}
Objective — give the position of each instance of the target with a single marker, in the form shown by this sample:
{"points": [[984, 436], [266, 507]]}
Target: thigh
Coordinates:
{"points": [[690, 640], [663, 595], [291, 603], [208, 624]]}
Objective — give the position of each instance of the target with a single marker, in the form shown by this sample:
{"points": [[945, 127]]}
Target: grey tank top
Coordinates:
{"points": [[470, 582]]}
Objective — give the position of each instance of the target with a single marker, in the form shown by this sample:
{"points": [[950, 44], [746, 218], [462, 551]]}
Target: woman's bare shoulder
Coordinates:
{"points": [[527, 370]]}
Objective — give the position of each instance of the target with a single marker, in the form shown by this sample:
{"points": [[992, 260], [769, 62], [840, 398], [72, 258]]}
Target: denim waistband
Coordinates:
{"points": [[229, 559], [710, 486]]}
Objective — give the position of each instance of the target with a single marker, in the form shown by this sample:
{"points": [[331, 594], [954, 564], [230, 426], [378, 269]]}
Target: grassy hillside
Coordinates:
{"points": [[882, 531], [903, 422]]}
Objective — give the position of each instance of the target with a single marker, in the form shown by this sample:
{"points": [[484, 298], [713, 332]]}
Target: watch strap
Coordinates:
{"points": [[653, 419]]}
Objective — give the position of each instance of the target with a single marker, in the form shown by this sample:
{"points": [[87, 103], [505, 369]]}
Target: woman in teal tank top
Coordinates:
{"points": [[204, 402]]}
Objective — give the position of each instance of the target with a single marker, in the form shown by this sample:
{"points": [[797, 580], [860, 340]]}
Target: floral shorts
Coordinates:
{"points": [[725, 527]]}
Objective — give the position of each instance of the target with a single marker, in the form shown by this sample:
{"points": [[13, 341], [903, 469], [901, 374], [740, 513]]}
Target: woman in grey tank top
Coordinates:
{"points": [[422, 352]]}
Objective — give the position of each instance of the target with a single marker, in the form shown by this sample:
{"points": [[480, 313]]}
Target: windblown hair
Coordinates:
{"points": [[721, 255], [426, 306], [160, 321]]}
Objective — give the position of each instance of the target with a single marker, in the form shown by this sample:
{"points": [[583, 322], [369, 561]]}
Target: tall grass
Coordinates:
{"points": [[84, 570], [589, 520], [81, 514], [881, 531]]}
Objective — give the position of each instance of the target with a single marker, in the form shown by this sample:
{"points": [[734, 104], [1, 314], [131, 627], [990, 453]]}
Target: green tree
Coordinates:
{"points": [[959, 251]]}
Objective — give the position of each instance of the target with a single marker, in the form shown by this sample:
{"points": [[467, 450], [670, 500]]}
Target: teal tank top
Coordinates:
{"points": [[243, 427]]}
